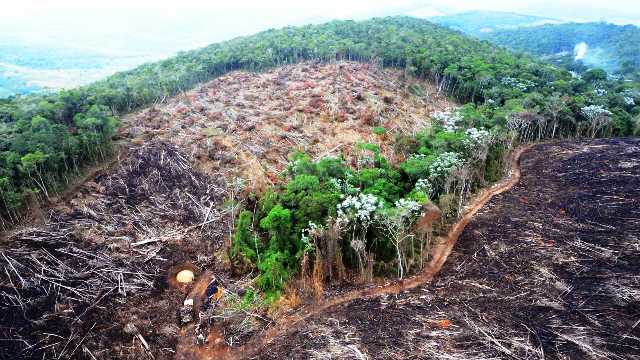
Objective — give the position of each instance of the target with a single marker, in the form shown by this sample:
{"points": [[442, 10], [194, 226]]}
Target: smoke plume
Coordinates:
{"points": [[580, 50]]}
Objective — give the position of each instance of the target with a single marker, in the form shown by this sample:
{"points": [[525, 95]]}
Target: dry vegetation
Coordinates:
{"points": [[247, 125], [89, 280]]}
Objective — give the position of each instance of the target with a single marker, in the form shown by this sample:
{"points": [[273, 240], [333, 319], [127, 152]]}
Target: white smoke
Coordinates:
{"points": [[580, 50]]}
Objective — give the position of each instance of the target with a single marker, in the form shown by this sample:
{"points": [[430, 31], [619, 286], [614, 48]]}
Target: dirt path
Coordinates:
{"points": [[546, 270], [440, 253]]}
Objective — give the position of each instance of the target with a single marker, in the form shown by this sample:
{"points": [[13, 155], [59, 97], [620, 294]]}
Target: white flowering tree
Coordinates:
{"points": [[458, 184], [449, 120], [629, 97], [598, 116], [356, 214], [519, 84], [600, 92], [451, 175], [424, 186], [556, 107], [525, 125], [395, 223], [476, 143], [443, 166]]}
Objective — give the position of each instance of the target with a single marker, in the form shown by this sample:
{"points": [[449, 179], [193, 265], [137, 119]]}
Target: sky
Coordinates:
{"points": [[185, 24], [587, 9], [130, 32]]}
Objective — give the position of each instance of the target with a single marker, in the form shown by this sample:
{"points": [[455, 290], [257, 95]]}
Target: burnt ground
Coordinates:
{"points": [[91, 277], [549, 269]]}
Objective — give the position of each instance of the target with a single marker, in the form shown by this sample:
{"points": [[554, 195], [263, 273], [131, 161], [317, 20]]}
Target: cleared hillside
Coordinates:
{"points": [[247, 125], [167, 201]]}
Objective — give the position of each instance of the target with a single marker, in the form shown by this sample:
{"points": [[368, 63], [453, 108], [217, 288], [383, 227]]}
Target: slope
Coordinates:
{"points": [[545, 270], [168, 202]]}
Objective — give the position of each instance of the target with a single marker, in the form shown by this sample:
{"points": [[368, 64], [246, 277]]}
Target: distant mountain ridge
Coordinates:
{"points": [[479, 23], [615, 48]]}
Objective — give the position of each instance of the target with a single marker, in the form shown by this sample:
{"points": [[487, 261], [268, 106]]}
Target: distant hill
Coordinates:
{"points": [[615, 48], [31, 68], [480, 23]]}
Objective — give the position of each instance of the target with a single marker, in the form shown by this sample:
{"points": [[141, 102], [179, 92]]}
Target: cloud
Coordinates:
{"points": [[425, 12]]}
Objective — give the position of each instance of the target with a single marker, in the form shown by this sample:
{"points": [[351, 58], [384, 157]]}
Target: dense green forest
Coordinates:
{"points": [[46, 138], [613, 47]]}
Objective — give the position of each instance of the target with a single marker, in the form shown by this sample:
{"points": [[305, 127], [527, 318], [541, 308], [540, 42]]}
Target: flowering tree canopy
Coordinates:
{"points": [[594, 111]]}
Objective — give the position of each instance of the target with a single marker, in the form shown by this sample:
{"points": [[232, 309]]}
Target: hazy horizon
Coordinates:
{"points": [[109, 37]]}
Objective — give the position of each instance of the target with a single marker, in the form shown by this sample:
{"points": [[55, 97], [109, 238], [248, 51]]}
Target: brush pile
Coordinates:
{"points": [[154, 195], [60, 281], [250, 123], [52, 285]]}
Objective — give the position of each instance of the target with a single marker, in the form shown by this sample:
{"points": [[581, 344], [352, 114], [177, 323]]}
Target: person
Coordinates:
{"points": [[213, 293], [212, 296]]}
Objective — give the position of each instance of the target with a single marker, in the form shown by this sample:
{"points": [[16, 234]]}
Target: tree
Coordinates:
{"points": [[598, 117], [31, 164], [556, 107], [594, 76], [396, 223]]}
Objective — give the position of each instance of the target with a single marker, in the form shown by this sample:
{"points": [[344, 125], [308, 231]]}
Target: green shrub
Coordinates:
{"points": [[446, 141], [385, 184], [418, 196], [379, 130], [374, 148], [417, 167], [278, 224], [268, 200], [245, 244], [273, 274]]}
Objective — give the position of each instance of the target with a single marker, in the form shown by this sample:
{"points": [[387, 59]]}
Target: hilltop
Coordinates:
{"points": [[212, 193]]}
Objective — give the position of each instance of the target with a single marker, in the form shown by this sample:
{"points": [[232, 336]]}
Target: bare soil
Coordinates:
{"points": [[549, 269]]}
